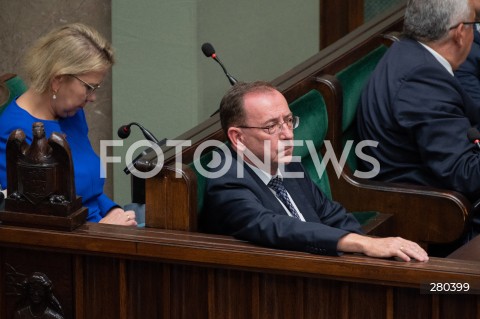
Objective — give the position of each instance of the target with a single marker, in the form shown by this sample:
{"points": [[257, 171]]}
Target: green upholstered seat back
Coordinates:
{"points": [[201, 181], [16, 87], [312, 111], [353, 79]]}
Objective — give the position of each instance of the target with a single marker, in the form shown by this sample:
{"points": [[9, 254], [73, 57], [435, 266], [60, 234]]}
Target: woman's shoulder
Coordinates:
{"points": [[14, 117]]}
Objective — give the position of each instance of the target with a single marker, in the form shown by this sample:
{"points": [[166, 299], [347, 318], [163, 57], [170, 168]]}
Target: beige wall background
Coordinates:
{"points": [[23, 21]]}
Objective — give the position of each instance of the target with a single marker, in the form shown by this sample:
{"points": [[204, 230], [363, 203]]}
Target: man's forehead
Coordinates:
{"points": [[261, 93], [265, 102]]}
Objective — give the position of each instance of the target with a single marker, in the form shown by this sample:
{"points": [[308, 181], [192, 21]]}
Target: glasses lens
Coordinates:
{"points": [[296, 121], [92, 89], [89, 89], [272, 129], [290, 123]]}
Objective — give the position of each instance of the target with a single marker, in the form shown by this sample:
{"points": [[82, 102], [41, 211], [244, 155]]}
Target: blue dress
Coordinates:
{"points": [[86, 162]]}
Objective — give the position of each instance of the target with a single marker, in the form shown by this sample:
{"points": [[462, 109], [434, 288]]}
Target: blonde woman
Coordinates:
{"points": [[64, 69]]}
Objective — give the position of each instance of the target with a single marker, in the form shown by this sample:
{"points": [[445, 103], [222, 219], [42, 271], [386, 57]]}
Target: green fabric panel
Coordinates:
{"points": [[351, 134], [312, 111], [201, 180], [364, 217], [353, 79], [16, 86], [322, 182]]}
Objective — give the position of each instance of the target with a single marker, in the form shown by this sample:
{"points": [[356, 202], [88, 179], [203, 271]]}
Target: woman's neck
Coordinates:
{"points": [[37, 105]]}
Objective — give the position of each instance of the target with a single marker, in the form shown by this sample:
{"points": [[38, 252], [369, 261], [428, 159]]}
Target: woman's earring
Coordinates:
{"points": [[54, 95]]}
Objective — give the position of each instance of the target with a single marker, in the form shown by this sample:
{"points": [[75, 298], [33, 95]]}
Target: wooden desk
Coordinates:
{"points": [[107, 271], [469, 251]]}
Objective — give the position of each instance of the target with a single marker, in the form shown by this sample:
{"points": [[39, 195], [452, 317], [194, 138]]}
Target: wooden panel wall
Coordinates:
{"points": [[338, 18]]}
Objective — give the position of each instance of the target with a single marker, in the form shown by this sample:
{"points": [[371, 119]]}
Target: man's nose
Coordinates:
{"points": [[286, 133]]}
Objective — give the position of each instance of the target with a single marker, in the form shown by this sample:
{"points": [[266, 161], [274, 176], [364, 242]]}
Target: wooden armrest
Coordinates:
{"points": [[421, 213], [7, 76], [379, 225], [171, 199]]}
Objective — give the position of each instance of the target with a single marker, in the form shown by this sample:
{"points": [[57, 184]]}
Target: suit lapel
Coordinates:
{"points": [[264, 193], [299, 195], [296, 190]]}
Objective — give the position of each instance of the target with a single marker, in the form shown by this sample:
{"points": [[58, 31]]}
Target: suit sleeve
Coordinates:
{"points": [[433, 112]]}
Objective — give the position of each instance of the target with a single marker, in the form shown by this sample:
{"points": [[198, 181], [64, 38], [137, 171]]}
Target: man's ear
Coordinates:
{"points": [[459, 34], [236, 138]]}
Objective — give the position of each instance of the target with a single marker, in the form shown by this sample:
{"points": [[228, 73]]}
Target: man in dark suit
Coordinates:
{"points": [[416, 109], [245, 198], [469, 72]]}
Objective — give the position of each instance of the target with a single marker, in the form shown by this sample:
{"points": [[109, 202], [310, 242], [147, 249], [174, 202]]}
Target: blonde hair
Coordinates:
{"points": [[69, 49]]}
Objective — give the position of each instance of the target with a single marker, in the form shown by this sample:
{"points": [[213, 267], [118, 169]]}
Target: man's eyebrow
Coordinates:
{"points": [[275, 120], [270, 122]]}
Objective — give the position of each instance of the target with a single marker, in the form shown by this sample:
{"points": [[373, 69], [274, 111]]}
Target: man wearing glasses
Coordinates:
{"points": [[261, 199], [417, 110]]}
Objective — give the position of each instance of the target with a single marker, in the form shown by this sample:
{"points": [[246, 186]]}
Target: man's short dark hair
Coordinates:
{"points": [[232, 112]]}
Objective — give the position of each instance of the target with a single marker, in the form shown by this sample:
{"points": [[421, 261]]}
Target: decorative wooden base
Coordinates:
{"points": [[45, 207], [69, 222]]}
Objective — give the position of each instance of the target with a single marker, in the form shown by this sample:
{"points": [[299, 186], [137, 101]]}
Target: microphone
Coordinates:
{"points": [[124, 132], [209, 52], [474, 136]]}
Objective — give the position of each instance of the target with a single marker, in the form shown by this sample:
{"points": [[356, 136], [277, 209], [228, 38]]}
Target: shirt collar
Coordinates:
{"points": [[439, 58], [264, 176]]}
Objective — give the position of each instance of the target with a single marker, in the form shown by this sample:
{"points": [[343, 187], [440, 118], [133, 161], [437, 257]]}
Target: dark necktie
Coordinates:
{"points": [[277, 185]]}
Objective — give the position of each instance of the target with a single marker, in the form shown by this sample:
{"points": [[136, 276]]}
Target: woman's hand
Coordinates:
{"points": [[118, 216]]}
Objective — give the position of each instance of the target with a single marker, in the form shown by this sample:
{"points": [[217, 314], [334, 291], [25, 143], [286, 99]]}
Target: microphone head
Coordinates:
{"points": [[124, 131], [473, 135], [208, 50]]}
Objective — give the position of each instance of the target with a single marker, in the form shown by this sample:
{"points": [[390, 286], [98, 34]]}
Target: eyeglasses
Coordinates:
{"points": [[291, 123], [89, 88], [476, 23]]}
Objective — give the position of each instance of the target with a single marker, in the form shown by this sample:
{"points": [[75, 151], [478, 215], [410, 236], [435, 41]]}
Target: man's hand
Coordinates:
{"points": [[382, 247]]}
